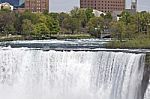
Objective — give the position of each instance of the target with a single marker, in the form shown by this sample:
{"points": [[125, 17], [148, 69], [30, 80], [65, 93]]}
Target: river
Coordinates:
{"points": [[71, 69]]}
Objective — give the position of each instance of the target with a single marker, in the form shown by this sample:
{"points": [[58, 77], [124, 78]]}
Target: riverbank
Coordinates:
{"points": [[60, 36], [11, 38], [138, 43]]}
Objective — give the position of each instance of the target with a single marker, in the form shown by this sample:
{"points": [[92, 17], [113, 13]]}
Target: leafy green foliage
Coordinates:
{"points": [[28, 23], [78, 21], [96, 26], [7, 20], [132, 31], [47, 24], [27, 27], [71, 24], [131, 25], [40, 30], [119, 30]]}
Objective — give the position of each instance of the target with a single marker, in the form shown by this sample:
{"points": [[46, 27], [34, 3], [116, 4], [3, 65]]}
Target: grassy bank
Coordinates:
{"points": [[11, 38], [138, 43], [60, 36]]}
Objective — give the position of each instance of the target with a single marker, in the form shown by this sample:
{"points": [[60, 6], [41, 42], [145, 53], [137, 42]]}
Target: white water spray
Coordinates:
{"points": [[35, 74]]}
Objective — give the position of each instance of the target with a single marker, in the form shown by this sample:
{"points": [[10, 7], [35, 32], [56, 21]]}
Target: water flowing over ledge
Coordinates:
{"points": [[38, 74]]}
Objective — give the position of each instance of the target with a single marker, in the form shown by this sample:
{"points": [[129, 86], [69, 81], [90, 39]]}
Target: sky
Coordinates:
{"points": [[67, 5]]}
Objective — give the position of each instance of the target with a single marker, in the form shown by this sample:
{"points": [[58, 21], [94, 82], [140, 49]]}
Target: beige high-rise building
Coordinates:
{"points": [[104, 5], [37, 5]]}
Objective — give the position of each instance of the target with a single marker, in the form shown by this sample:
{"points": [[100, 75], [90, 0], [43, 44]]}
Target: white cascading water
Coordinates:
{"points": [[147, 94], [37, 74]]}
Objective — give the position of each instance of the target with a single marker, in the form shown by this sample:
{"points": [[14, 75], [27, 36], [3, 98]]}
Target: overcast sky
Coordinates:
{"points": [[66, 5]]}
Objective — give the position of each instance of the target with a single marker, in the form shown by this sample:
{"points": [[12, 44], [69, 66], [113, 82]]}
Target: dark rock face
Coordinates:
{"points": [[146, 75]]}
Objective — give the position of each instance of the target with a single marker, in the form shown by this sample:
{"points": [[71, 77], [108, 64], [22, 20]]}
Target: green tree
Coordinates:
{"points": [[71, 24], [75, 12], [137, 23], [40, 30], [7, 20], [130, 31], [9, 29], [107, 20], [118, 29], [96, 26], [41, 18], [89, 13], [61, 18], [52, 24], [27, 27], [83, 15], [30, 16], [145, 21], [126, 17], [54, 15]]}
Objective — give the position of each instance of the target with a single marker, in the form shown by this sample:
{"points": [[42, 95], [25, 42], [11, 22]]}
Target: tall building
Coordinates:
{"points": [[37, 5], [134, 5], [15, 3], [103, 5]]}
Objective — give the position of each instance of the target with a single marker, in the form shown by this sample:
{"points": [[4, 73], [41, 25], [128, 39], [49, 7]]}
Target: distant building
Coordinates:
{"points": [[134, 5], [37, 5], [104, 5], [98, 13], [15, 3], [6, 6]]}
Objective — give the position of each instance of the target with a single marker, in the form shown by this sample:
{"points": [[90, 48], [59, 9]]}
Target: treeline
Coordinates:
{"points": [[78, 21], [27, 24], [131, 31], [131, 26]]}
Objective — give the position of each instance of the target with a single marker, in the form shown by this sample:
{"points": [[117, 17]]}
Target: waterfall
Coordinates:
{"points": [[37, 74], [147, 94]]}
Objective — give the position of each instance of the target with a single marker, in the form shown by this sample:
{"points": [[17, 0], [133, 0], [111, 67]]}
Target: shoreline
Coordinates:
{"points": [[59, 37], [129, 44]]}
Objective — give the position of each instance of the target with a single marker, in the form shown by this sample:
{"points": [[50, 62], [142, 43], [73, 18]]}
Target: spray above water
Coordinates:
{"points": [[35, 74]]}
